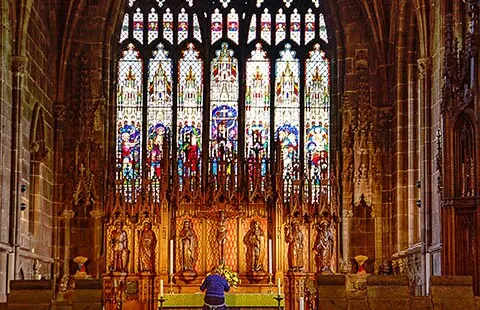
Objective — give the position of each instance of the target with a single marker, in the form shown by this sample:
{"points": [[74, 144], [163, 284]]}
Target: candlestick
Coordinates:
{"points": [[279, 300], [171, 256], [161, 300], [270, 252], [170, 284], [161, 288], [279, 291], [270, 283]]}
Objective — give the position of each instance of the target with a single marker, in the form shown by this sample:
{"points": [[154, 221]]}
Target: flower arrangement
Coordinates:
{"points": [[229, 275]]}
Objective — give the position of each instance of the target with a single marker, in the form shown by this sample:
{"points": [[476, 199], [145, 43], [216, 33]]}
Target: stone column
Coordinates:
{"points": [[425, 166], [97, 215], [67, 216], [19, 65]]}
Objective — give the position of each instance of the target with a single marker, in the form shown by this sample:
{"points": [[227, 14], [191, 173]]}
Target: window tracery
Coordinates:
{"points": [[166, 112]]}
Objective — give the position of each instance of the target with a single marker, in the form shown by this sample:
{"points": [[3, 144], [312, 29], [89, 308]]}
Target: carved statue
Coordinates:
{"points": [[221, 236], [188, 246], [120, 248], [323, 246], [294, 237], [254, 240], [147, 245]]}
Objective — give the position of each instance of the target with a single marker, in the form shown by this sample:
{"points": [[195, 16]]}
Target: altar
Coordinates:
{"points": [[233, 300]]}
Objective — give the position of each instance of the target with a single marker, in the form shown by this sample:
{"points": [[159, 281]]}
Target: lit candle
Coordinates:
{"points": [[302, 303], [270, 256], [161, 288], [278, 287], [171, 256]]}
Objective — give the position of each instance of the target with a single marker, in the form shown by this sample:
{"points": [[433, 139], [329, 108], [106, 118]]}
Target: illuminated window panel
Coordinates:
{"points": [[138, 25], [160, 2], [266, 26], [280, 26], [124, 32], [295, 29], [232, 26], [259, 3], [168, 25], [129, 123], [197, 34], [182, 26], [287, 112], [317, 106], [257, 115], [316, 3], [159, 113], [216, 26], [323, 29], [189, 115], [252, 29], [224, 112], [309, 26], [131, 2], [152, 26], [190, 3]]}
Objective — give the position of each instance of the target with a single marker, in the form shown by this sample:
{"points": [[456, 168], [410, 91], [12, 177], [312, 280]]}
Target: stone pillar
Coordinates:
{"points": [[295, 289], [67, 216], [19, 65], [97, 259], [425, 165]]}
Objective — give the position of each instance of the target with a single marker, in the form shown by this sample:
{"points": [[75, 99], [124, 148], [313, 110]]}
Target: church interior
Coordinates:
{"points": [[322, 154]]}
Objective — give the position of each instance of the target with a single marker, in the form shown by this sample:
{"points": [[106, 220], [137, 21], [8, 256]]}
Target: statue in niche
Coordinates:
{"points": [[188, 246], [119, 242], [147, 245], [254, 240], [323, 246], [294, 237], [221, 236]]}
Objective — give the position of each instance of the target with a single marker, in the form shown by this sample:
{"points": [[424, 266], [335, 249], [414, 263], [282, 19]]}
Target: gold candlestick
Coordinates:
{"points": [[170, 283], [270, 283]]}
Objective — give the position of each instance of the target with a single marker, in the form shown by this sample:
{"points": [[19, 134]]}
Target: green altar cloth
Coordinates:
{"points": [[232, 300]]}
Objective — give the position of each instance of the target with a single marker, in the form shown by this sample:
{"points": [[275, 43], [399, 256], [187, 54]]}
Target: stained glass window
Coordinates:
{"points": [[266, 26], [257, 115], [168, 25], [323, 29], [232, 26], [295, 27], [138, 25], [309, 26], [124, 31], [197, 34], [287, 111], [162, 107], [190, 111], [280, 26], [129, 122], [216, 26], [159, 112], [317, 108], [152, 26], [182, 26], [252, 30], [224, 112]]}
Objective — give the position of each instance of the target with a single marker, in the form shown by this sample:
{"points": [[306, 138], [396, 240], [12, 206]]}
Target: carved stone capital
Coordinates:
{"points": [[68, 214], [19, 64], [97, 213], [424, 66]]}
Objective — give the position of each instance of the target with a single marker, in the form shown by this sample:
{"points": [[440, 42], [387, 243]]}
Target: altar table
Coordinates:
{"points": [[232, 300]]}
